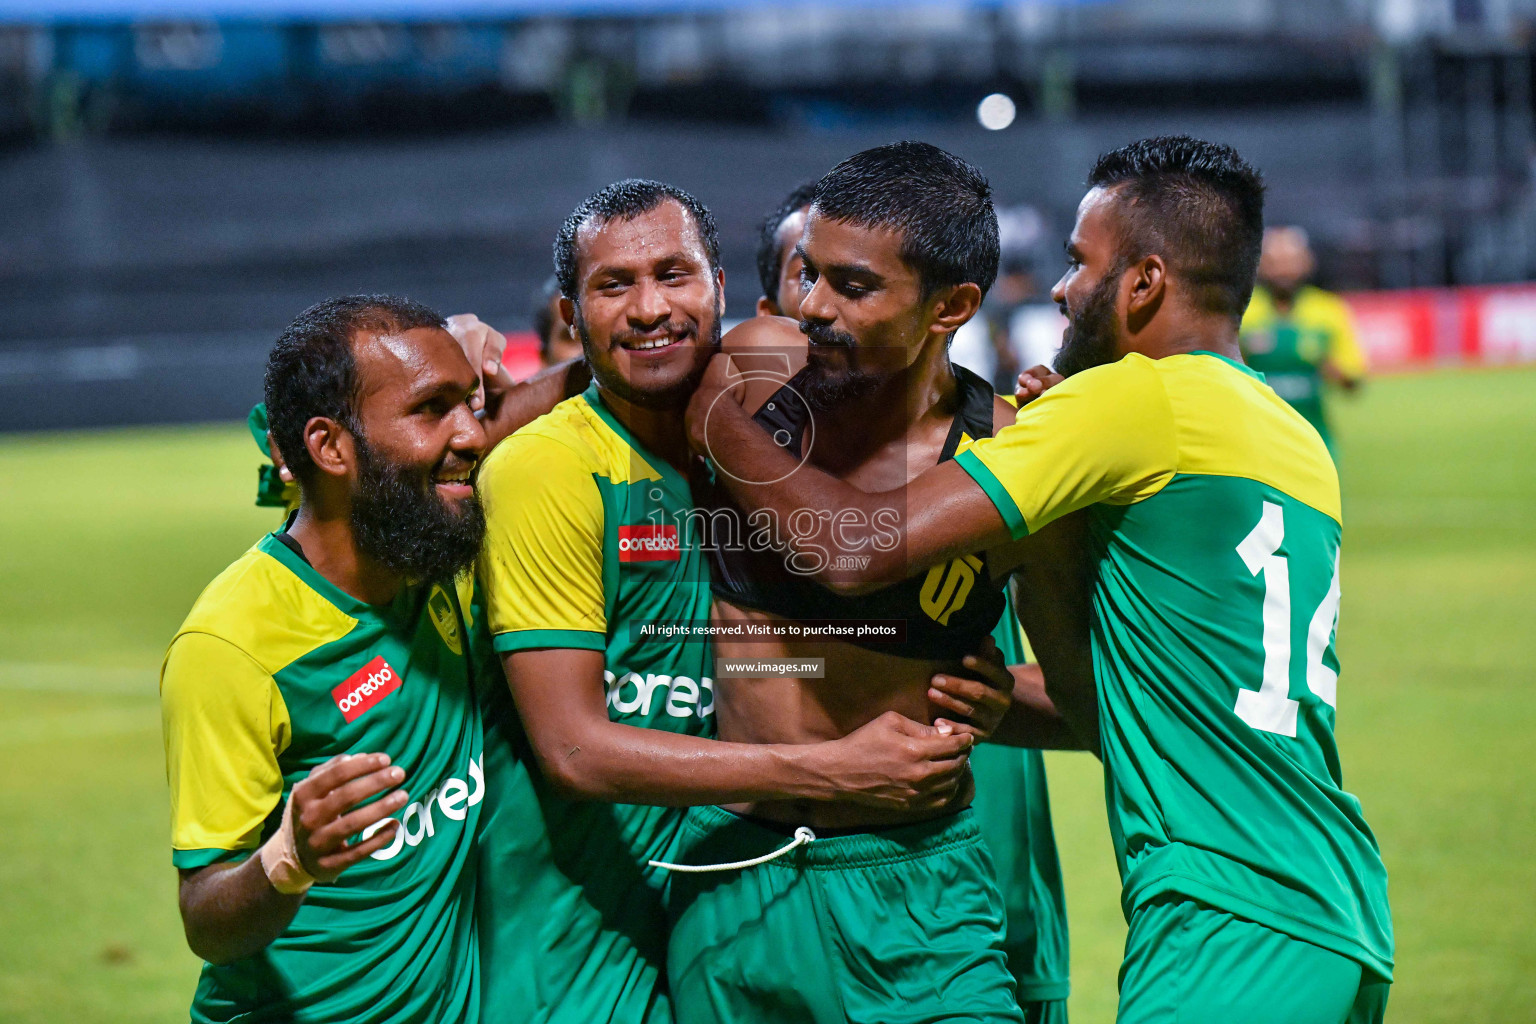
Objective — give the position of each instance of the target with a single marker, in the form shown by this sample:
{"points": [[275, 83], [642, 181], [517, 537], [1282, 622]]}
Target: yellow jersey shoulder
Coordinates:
{"points": [[1318, 307], [1228, 422], [571, 430], [1312, 308], [259, 606]]}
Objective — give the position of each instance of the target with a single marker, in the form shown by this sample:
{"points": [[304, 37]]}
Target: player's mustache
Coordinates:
{"points": [[827, 335]]}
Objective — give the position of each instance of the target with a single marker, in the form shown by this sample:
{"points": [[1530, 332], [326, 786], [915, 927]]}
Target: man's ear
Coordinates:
{"points": [[568, 314], [330, 446], [765, 307], [956, 307], [1148, 285]]}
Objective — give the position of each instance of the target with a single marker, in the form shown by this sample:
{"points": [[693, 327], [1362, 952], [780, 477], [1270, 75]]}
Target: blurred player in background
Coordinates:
{"points": [[778, 264], [275, 485], [1253, 887], [1012, 803], [1035, 323], [985, 344], [557, 342], [591, 539], [1300, 337], [319, 672]]}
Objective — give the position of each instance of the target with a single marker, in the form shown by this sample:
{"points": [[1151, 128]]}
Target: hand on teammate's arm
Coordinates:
{"points": [[233, 911], [977, 702], [1033, 720], [891, 762], [940, 515], [1003, 703], [483, 346], [1034, 382], [511, 404]]}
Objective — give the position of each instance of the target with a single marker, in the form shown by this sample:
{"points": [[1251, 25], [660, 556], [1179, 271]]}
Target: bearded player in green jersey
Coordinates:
{"points": [[321, 671], [591, 539], [1253, 888], [1300, 337]]}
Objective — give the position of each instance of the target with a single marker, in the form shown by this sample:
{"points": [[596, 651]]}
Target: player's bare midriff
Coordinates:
{"points": [[859, 685]]}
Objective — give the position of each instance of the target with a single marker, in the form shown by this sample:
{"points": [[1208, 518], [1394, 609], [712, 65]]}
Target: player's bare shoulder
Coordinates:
{"points": [[1004, 411], [767, 351]]}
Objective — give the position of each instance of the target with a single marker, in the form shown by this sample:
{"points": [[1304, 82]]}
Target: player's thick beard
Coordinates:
{"points": [[1090, 338], [401, 523], [825, 388]]}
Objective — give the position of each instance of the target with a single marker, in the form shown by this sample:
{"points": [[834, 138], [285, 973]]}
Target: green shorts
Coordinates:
{"points": [[899, 926], [1189, 963]]}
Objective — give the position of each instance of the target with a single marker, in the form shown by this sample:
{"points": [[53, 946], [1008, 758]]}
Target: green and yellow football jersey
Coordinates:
{"points": [[1215, 514], [275, 671], [590, 539], [1291, 348]]}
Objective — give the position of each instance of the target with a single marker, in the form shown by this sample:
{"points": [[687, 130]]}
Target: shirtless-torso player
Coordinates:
{"points": [[872, 399]]}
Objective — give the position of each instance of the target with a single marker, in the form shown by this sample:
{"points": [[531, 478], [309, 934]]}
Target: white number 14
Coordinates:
{"points": [[1270, 707]]}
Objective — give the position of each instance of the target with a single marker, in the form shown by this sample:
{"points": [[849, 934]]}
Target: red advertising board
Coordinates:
{"points": [[1427, 327]]}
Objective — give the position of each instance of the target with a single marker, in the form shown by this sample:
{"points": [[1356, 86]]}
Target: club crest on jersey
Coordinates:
{"points": [[440, 608], [648, 544], [365, 688]]}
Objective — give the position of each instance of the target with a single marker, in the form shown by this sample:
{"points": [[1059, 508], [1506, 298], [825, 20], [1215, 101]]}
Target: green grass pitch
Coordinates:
{"points": [[108, 536]]}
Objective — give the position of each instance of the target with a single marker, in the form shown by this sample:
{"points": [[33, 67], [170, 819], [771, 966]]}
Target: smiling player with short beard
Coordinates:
{"points": [[319, 672]]}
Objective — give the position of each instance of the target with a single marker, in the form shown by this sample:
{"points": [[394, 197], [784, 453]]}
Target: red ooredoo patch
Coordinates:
{"points": [[365, 688], [648, 544]]}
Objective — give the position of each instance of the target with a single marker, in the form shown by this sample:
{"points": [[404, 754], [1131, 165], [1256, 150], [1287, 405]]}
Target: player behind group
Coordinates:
{"points": [[908, 238], [590, 538], [1253, 888], [1300, 337], [322, 671]]}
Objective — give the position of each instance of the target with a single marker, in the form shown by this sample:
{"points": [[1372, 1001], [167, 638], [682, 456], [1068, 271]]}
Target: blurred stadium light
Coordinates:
{"points": [[180, 177]]}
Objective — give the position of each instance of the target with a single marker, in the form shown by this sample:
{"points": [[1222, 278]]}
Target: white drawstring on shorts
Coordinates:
{"points": [[803, 836]]}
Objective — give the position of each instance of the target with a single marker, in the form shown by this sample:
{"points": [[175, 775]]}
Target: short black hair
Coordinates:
{"points": [[770, 255], [1198, 205], [626, 200], [312, 370], [543, 319], [940, 203]]}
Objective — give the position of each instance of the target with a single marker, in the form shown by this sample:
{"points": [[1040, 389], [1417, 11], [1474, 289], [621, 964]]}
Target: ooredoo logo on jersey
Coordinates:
{"points": [[648, 543], [365, 688]]}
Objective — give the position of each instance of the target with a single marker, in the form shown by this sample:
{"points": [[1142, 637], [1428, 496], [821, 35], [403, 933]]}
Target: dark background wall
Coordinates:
{"points": [[175, 187], [143, 280]]}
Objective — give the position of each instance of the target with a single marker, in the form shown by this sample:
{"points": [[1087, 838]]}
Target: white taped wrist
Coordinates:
{"points": [[280, 858]]}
